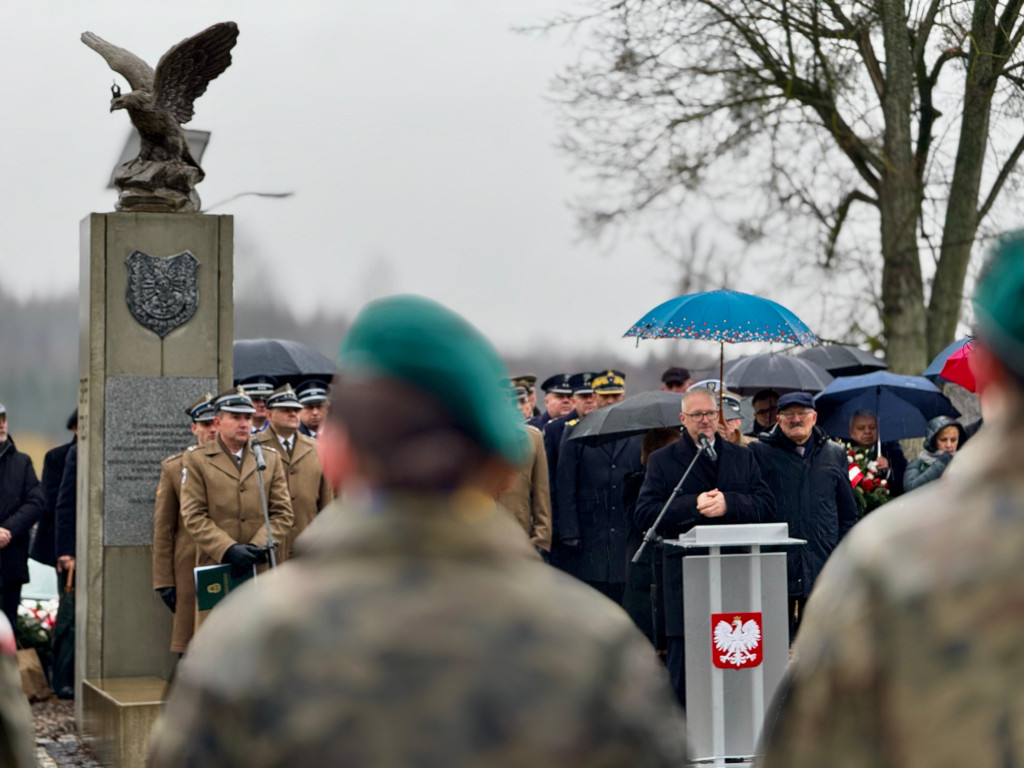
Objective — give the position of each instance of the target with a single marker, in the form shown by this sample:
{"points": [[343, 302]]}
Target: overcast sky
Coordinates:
{"points": [[416, 136]]}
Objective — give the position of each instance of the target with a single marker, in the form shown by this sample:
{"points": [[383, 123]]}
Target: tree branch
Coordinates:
{"points": [[1004, 174]]}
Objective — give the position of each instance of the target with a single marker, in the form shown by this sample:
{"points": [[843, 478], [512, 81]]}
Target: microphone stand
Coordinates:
{"points": [[652, 532], [261, 464]]}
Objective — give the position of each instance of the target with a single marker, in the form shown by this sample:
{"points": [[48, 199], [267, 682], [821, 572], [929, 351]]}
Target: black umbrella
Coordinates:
{"points": [[783, 373], [286, 360], [843, 360], [632, 416]]}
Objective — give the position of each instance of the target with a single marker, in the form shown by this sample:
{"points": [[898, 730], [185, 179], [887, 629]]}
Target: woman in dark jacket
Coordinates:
{"points": [[21, 504], [942, 440]]}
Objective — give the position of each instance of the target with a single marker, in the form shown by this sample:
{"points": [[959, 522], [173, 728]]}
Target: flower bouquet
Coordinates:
{"points": [[870, 486]]}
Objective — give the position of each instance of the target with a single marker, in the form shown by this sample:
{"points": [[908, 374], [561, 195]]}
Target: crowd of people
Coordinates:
{"points": [[417, 621]]}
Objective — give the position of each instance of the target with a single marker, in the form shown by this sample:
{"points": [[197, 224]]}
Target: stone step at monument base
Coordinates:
{"points": [[118, 715]]}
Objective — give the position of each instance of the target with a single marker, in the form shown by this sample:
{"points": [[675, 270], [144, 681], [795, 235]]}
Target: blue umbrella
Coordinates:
{"points": [[903, 404], [722, 316], [934, 370]]}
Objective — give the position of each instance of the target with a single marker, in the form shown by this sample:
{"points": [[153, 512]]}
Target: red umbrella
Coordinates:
{"points": [[957, 368]]}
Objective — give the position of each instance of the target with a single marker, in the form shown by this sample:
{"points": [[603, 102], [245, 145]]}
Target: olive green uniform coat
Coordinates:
{"points": [[419, 631], [309, 490], [174, 552], [911, 652], [220, 503], [529, 497]]}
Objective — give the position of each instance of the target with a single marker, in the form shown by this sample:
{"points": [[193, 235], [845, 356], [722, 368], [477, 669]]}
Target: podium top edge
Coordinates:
{"points": [[748, 534]]}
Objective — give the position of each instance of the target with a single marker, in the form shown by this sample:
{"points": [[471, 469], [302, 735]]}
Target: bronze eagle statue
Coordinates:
{"points": [[164, 175]]}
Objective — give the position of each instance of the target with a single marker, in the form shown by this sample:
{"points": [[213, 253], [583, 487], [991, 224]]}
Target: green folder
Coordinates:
{"points": [[214, 582]]}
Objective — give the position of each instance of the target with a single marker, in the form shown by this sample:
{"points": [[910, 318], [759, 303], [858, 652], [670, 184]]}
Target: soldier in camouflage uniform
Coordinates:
{"points": [[911, 653], [17, 748], [418, 626]]}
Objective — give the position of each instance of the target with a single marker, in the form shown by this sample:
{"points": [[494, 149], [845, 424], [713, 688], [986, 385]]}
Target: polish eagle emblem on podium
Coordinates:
{"points": [[736, 640], [163, 292]]}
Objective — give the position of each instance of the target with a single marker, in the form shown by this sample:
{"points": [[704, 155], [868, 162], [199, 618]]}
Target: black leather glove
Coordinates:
{"points": [[574, 543], [243, 557], [169, 595]]}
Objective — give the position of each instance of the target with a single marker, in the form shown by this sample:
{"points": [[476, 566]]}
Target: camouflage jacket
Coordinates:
{"points": [[911, 653], [422, 631], [17, 746]]}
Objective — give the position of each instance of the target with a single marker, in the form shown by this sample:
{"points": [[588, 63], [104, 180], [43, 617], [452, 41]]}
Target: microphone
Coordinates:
{"points": [[257, 452], [707, 447]]}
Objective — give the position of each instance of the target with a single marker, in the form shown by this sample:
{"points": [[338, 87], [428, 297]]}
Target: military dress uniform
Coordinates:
{"points": [[307, 487], [529, 497], [174, 552]]}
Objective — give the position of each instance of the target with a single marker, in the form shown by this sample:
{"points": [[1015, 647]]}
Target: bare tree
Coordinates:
{"points": [[893, 114]]}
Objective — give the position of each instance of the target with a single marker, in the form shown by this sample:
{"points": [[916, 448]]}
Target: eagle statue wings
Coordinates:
{"points": [[736, 641], [164, 175]]}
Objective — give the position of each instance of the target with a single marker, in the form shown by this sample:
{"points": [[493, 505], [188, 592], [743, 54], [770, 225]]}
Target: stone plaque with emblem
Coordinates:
{"points": [[163, 292]]}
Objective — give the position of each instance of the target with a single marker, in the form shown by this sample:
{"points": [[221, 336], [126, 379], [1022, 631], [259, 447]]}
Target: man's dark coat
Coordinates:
{"points": [[812, 494], [591, 507], [45, 539], [21, 504]]}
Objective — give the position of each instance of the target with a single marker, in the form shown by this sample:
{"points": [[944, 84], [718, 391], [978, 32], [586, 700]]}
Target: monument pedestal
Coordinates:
{"points": [[155, 334]]}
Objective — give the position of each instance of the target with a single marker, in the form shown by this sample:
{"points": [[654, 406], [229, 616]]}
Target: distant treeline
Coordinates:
{"points": [[39, 354]]}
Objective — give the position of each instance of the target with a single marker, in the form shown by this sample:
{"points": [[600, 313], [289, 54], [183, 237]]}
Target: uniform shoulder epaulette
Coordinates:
{"points": [[174, 456], [572, 422], [270, 448], [191, 447]]}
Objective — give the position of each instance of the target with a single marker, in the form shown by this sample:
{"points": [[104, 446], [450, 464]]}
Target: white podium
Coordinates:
{"points": [[736, 633]]}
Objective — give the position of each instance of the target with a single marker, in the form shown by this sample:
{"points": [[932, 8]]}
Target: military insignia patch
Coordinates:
{"points": [[736, 640], [163, 292]]}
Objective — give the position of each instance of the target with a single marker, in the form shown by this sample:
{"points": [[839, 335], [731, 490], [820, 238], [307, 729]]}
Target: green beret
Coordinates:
{"points": [[422, 343], [999, 300]]}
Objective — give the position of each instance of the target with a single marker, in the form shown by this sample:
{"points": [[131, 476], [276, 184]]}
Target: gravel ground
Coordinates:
{"points": [[57, 742]]}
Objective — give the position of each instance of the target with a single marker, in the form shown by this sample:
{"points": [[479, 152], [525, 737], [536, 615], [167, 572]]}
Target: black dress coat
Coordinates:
{"points": [[736, 474], [591, 508], [813, 494], [44, 542], [21, 504], [64, 514]]}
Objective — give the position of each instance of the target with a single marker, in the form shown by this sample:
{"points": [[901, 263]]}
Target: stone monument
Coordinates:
{"points": [[155, 329]]}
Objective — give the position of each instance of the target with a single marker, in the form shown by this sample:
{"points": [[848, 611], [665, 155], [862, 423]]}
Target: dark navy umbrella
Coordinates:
{"points": [[783, 373], [903, 404], [286, 360], [934, 370], [843, 360], [632, 416]]}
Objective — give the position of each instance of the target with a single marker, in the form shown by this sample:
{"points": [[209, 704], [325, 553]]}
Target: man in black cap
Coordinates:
{"points": [[312, 396], [259, 388], [557, 400], [807, 474], [583, 402], [590, 523], [676, 380], [21, 504], [43, 543]]}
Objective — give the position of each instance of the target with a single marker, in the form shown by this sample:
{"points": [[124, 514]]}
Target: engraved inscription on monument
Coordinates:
{"points": [[162, 293], [144, 423]]}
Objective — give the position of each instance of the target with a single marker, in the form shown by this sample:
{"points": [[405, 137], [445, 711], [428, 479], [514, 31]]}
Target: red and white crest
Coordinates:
{"points": [[736, 640]]}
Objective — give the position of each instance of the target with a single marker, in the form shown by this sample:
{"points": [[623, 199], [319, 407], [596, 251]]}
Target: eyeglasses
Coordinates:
{"points": [[766, 411], [795, 413], [702, 415]]}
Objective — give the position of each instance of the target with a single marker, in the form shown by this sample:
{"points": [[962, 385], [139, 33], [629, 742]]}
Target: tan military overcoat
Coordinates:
{"points": [[529, 497], [174, 552], [309, 490], [911, 652], [220, 504]]}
